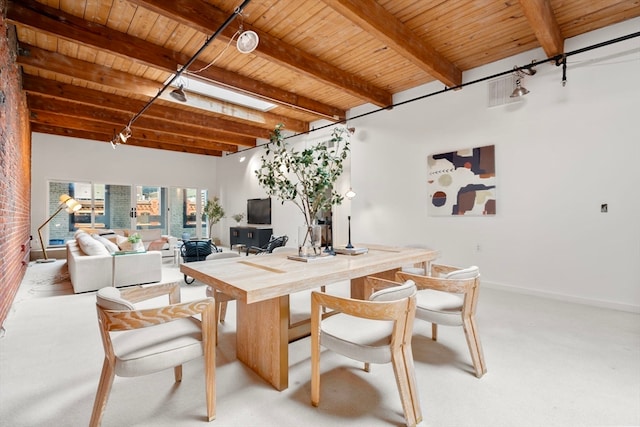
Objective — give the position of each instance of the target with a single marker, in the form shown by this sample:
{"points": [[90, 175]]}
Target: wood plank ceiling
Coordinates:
{"points": [[90, 66]]}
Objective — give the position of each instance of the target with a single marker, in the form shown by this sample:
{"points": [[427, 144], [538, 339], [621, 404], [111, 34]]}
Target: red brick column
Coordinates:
{"points": [[15, 170]]}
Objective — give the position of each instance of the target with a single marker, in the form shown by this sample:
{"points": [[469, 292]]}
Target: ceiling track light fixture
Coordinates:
{"points": [[247, 41], [178, 94], [238, 11], [125, 134], [520, 73]]}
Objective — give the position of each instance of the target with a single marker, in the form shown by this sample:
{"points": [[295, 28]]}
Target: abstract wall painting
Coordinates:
{"points": [[462, 182]]}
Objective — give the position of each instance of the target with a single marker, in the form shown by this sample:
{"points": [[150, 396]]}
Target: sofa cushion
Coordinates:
{"points": [[111, 247], [90, 246]]}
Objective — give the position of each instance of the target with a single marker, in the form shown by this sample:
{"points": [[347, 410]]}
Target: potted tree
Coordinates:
{"points": [[306, 178], [214, 212]]}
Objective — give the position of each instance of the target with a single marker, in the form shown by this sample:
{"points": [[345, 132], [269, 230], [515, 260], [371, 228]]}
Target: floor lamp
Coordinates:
{"points": [[66, 202]]}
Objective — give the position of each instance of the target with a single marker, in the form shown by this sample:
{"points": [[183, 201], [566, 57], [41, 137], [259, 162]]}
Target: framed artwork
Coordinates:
{"points": [[462, 182]]}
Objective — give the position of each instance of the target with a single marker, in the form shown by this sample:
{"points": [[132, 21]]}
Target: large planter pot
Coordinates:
{"points": [[309, 240]]}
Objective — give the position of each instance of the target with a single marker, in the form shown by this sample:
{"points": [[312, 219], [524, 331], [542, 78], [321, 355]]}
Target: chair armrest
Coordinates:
{"points": [[373, 284], [441, 269], [121, 320], [255, 249], [376, 310], [140, 293], [458, 286]]}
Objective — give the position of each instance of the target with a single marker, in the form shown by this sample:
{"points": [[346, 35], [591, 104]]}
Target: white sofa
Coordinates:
{"points": [[153, 240], [92, 266]]}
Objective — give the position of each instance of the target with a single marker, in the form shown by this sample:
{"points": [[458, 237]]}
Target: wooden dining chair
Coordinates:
{"points": [[377, 330], [449, 296], [143, 341]]}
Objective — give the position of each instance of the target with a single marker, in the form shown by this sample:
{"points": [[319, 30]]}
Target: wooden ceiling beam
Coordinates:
{"points": [[116, 119], [374, 19], [97, 136], [48, 20], [93, 73], [545, 26], [202, 15], [52, 88]]}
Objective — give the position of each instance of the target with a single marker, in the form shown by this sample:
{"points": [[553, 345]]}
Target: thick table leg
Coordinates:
{"points": [[262, 339]]}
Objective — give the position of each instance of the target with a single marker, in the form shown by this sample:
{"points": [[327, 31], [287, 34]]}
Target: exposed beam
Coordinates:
{"points": [[55, 119], [48, 20], [202, 16], [375, 19], [97, 136], [545, 26], [94, 73], [40, 86], [111, 118]]}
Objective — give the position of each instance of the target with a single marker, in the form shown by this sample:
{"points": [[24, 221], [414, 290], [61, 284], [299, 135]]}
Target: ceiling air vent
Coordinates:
{"points": [[500, 90]]}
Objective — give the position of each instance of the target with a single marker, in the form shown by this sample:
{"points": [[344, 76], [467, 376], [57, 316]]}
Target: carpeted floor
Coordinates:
{"points": [[549, 364]]}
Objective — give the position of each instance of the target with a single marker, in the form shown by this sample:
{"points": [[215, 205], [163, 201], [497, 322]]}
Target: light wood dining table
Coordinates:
{"points": [[261, 284]]}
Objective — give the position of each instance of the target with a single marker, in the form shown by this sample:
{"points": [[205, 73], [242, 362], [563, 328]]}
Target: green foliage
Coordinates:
{"points": [[238, 217], [305, 177], [214, 212], [134, 238]]}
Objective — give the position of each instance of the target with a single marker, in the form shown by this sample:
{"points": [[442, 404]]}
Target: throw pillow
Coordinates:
{"points": [[111, 247], [90, 246], [123, 243]]}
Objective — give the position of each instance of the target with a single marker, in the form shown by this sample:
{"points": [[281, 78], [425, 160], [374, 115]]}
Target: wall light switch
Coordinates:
{"points": [[604, 208]]}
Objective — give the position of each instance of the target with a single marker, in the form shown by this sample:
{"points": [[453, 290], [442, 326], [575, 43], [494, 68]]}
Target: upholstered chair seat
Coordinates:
{"points": [[377, 330], [449, 296], [143, 341]]}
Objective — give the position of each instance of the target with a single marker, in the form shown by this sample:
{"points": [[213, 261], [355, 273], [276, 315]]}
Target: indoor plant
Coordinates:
{"points": [[238, 217], [305, 177], [214, 212], [136, 242]]}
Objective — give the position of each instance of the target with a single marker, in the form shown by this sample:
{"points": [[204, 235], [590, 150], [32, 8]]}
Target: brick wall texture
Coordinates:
{"points": [[15, 170]]}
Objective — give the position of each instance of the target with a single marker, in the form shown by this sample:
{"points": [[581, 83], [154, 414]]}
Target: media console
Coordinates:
{"points": [[250, 236]]}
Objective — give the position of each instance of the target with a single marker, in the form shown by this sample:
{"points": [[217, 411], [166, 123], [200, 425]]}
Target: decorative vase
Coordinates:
{"points": [[309, 240], [137, 246]]}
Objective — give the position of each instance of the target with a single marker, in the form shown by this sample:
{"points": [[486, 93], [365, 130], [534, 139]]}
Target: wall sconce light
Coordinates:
{"points": [[71, 206], [350, 194], [520, 73]]}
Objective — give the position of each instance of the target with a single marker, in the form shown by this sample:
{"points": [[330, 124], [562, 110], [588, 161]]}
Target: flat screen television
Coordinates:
{"points": [[259, 211]]}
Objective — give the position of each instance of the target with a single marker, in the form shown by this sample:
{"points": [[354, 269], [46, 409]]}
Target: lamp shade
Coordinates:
{"points": [[178, 94], [73, 205], [519, 90], [247, 42]]}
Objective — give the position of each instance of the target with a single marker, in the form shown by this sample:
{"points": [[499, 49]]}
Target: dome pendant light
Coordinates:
{"points": [[178, 94]]}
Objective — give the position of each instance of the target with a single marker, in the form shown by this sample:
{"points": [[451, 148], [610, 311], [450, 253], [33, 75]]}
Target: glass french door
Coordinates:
{"points": [[150, 208], [186, 206], [108, 206]]}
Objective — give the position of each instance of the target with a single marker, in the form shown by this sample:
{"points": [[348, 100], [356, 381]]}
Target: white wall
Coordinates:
{"points": [[560, 154], [72, 159]]}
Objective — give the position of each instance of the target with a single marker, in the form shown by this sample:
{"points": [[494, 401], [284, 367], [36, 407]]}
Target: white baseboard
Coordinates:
{"points": [[563, 297]]}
